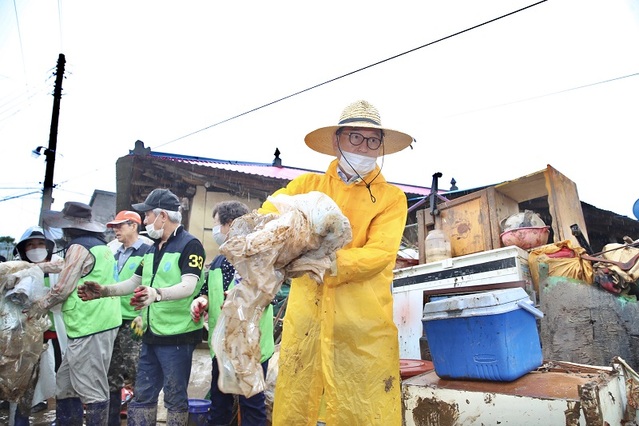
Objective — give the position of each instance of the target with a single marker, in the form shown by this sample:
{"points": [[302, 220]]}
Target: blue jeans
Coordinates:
{"points": [[168, 367], [252, 410]]}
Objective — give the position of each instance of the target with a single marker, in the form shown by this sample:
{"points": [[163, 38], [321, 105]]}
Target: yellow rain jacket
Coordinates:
{"points": [[339, 338]]}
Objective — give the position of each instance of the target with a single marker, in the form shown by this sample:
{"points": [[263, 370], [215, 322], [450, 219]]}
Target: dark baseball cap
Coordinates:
{"points": [[159, 199]]}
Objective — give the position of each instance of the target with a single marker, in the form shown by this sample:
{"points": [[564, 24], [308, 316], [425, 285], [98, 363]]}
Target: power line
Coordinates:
{"points": [[15, 105], [19, 196], [583, 86], [24, 67], [351, 73]]}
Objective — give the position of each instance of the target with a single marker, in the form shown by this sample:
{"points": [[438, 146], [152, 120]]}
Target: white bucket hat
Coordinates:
{"points": [[360, 114]]}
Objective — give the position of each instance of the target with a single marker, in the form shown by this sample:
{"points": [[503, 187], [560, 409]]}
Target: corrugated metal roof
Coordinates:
{"points": [[264, 169]]}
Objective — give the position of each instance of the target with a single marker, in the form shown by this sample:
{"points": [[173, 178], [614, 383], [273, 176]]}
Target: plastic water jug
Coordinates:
{"points": [[437, 247]]}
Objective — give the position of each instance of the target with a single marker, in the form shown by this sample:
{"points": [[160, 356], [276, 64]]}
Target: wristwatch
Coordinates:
{"points": [[158, 295]]}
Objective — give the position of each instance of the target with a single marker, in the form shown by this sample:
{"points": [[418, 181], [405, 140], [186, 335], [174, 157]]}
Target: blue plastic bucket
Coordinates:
{"points": [[199, 412]]}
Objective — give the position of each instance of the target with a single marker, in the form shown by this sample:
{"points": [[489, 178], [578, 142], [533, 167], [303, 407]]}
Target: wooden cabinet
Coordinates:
{"points": [[471, 222]]}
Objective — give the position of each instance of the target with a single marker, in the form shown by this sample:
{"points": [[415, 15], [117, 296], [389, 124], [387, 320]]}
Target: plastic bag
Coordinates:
{"points": [[46, 386], [265, 250], [20, 338], [29, 288], [271, 379]]}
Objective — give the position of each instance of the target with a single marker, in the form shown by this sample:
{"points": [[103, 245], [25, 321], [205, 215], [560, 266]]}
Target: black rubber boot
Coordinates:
{"points": [[69, 412], [115, 406], [177, 418], [97, 414], [141, 414]]}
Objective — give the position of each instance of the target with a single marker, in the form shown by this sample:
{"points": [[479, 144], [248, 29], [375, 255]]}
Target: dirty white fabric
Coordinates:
{"points": [[265, 250]]}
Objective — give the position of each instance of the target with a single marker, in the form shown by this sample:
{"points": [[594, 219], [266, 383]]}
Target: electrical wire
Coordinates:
{"points": [[344, 75], [19, 196], [584, 86], [15, 10], [16, 104], [352, 72]]}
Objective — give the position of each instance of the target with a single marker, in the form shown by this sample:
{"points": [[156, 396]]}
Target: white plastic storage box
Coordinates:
{"points": [[464, 273], [486, 336]]}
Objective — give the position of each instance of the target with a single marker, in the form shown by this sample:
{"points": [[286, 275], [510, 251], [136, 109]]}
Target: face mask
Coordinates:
{"points": [[355, 163], [153, 233], [218, 236], [37, 255]]}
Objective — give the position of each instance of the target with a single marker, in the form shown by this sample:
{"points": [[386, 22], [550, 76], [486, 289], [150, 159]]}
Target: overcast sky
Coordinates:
{"points": [[555, 83]]}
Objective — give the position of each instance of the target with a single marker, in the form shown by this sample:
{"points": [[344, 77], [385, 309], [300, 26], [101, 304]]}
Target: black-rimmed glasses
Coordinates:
{"points": [[373, 143]]}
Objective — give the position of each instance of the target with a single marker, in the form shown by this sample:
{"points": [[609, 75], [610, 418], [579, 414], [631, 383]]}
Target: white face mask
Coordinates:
{"points": [[357, 164], [218, 236], [153, 233], [37, 255]]}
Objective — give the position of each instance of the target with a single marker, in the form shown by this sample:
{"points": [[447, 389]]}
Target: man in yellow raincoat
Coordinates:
{"points": [[339, 340]]}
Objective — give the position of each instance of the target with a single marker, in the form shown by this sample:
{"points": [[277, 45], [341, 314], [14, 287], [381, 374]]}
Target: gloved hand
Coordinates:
{"points": [[37, 310], [136, 328], [90, 290], [199, 307], [143, 296]]}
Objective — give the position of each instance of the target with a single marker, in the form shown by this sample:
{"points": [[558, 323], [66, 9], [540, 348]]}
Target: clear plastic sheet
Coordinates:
{"points": [[20, 338], [271, 378], [265, 250]]}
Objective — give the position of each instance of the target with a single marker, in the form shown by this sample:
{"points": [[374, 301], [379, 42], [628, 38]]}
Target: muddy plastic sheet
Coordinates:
{"points": [[20, 338], [265, 250]]}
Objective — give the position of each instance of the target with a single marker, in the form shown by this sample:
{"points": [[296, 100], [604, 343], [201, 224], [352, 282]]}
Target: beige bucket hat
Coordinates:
{"points": [[358, 114], [74, 215]]}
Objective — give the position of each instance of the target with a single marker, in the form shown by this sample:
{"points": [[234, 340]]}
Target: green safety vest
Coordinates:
{"points": [[170, 317], [86, 318], [216, 299]]}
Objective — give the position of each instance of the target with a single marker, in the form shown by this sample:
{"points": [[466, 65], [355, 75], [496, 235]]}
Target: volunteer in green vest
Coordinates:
{"points": [[129, 249], [91, 327], [164, 285], [221, 278]]}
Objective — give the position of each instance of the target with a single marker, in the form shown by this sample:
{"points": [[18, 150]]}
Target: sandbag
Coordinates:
{"points": [[563, 260]]}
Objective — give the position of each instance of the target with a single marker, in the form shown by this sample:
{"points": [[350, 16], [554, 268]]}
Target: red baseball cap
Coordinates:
{"points": [[125, 216]]}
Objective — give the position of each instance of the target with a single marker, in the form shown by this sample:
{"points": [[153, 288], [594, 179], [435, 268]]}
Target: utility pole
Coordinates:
{"points": [[49, 153]]}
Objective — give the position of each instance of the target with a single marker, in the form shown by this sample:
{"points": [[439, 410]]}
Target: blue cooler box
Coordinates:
{"points": [[486, 336]]}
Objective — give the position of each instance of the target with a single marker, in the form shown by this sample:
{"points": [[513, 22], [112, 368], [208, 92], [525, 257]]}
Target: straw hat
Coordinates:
{"points": [[74, 215], [358, 114]]}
